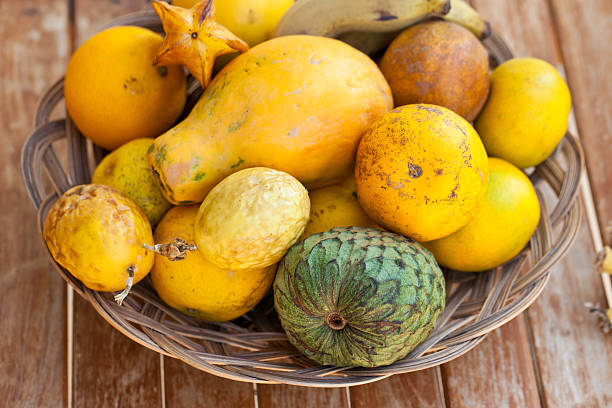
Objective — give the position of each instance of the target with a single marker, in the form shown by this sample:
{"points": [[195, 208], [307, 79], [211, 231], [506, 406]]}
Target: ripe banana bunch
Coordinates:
{"points": [[370, 25]]}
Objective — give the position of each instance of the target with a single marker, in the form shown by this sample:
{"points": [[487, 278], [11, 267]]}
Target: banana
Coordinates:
{"points": [[370, 25], [332, 18], [461, 13]]}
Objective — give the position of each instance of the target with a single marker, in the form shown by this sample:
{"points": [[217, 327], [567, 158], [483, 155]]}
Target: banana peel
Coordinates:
{"points": [[463, 14], [194, 38], [370, 25], [604, 264]]}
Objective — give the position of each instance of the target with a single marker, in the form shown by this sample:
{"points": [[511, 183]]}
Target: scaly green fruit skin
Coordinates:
{"points": [[358, 296]]}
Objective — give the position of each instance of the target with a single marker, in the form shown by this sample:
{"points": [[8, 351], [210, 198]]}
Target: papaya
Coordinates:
{"points": [[298, 104]]}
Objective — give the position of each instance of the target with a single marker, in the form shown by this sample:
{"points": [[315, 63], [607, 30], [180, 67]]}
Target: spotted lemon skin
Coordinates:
{"points": [[421, 171]]}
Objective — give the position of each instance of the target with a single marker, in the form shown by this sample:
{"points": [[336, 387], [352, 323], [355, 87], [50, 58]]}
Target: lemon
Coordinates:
{"points": [[503, 224], [128, 170], [336, 206], [526, 114], [253, 21], [196, 286], [114, 93]]}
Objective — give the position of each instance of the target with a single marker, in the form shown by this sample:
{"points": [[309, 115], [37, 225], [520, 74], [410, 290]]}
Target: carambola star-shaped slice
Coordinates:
{"points": [[194, 38]]}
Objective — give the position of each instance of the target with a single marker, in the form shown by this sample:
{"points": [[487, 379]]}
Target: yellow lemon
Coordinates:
{"points": [[336, 206], [114, 93], [96, 233], [503, 224], [253, 21], [196, 286], [128, 170], [526, 114]]}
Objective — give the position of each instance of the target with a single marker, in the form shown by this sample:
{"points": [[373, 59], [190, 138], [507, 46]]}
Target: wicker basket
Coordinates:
{"points": [[254, 348]]}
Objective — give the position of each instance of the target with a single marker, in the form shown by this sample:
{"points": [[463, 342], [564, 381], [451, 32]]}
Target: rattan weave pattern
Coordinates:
{"points": [[254, 348]]}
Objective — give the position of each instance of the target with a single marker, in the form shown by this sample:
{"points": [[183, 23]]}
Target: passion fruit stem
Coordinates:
{"points": [[174, 251], [128, 285], [335, 321]]}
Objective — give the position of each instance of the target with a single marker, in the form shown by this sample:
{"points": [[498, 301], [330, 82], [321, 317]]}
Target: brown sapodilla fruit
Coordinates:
{"points": [[440, 63]]}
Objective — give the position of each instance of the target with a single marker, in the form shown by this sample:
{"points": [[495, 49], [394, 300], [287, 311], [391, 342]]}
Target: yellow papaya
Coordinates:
{"points": [[298, 104]]}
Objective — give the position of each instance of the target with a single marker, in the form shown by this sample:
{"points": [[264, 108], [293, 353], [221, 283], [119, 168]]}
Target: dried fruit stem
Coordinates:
{"points": [[128, 285], [335, 321], [174, 251]]}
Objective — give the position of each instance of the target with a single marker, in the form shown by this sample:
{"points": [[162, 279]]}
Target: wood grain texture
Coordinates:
{"points": [[527, 27], [585, 31], [412, 390], [497, 373], [90, 15], [109, 368], [187, 387], [573, 356], [289, 396], [32, 306]]}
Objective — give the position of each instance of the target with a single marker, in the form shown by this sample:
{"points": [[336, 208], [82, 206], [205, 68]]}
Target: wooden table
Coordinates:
{"points": [[551, 355]]}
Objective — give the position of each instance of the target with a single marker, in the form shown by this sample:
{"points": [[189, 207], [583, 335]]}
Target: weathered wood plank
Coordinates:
{"points": [[271, 396], [574, 358], [527, 27], [90, 15], [188, 387], [585, 30], [497, 373], [109, 368], [32, 305], [418, 389]]}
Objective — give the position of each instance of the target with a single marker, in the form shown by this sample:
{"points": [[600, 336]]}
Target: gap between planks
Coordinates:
{"points": [[162, 380], [70, 342], [585, 184]]}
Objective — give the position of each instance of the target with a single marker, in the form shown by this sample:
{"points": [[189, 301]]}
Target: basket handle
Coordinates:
{"points": [[36, 150]]}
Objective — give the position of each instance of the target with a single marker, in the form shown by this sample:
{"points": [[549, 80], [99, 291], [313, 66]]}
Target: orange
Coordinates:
{"points": [[113, 92], [194, 285], [336, 206], [503, 224], [253, 21], [526, 114], [421, 171]]}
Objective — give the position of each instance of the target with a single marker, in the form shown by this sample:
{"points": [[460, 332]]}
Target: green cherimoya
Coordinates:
{"points": [[358, 296]]}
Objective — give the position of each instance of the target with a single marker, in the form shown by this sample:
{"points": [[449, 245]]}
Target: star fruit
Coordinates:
{"points": [[194, 38]]}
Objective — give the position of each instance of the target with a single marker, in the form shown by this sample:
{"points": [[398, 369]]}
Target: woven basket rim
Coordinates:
{"points": [[476, 303]]}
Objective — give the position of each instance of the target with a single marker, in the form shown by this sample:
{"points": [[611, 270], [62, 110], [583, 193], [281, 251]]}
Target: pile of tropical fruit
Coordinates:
{"points": [[306, 166]]}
